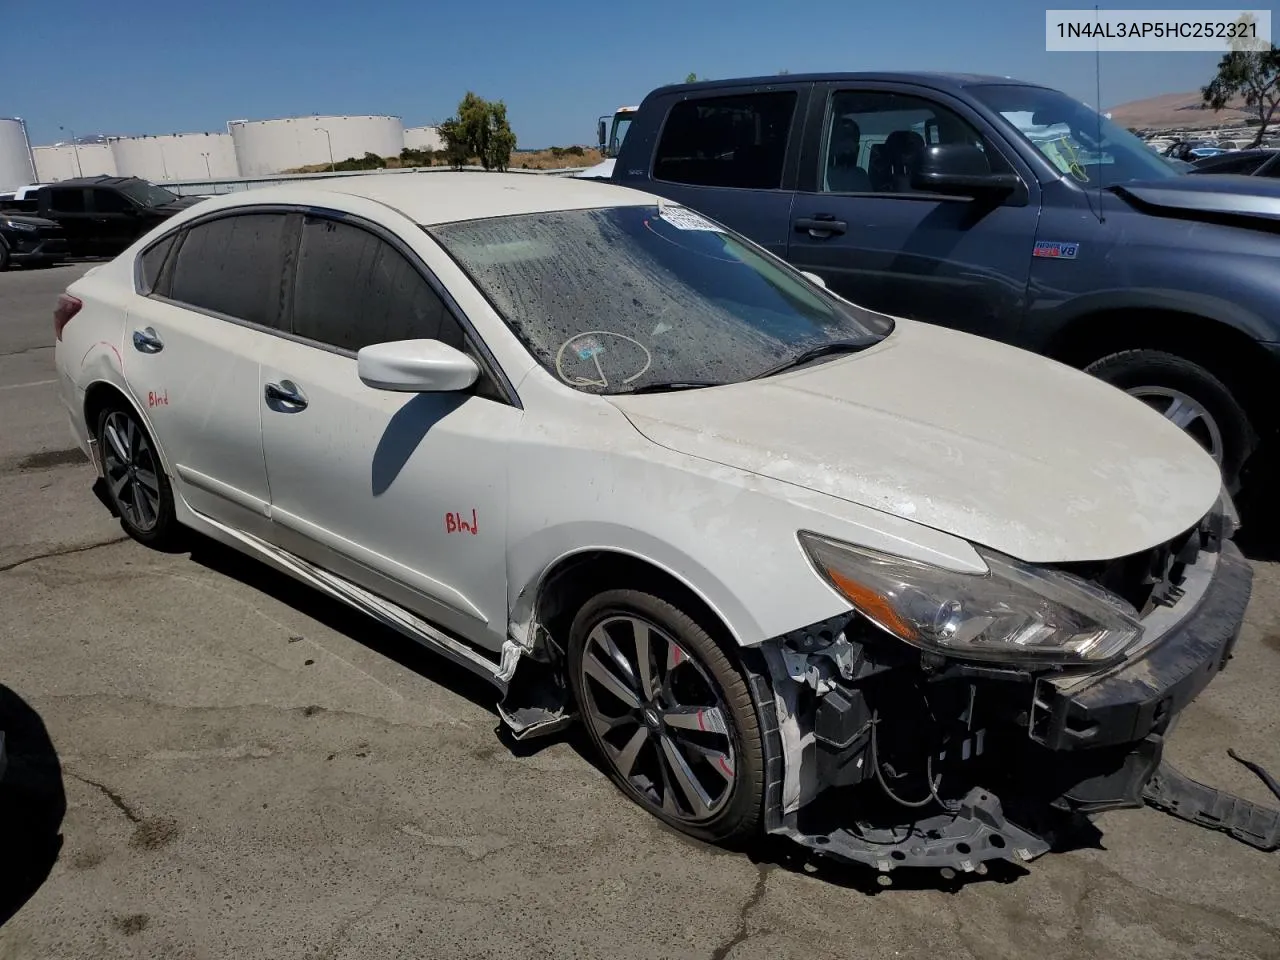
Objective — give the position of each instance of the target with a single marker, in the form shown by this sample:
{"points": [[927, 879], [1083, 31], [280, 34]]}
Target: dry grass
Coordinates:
{"points": [[536, 160]]}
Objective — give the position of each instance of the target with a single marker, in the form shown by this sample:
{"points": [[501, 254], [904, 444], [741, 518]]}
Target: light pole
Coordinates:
{"points": [[75, 148], [330, 140], [207, 172]]}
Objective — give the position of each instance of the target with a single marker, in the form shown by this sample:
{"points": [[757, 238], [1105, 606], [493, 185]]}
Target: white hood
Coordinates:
{"points": [[980, 440]]}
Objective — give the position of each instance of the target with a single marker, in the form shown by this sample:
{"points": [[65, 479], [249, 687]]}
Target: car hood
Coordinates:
{"points": [[28, 218], [1224, 195], [980, 440]]}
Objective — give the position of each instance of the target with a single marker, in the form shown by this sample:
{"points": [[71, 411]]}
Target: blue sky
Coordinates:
{"points": [[141, 66]]}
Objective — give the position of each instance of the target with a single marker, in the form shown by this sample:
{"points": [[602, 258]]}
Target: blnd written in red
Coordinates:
{"points": [[458, 523]]}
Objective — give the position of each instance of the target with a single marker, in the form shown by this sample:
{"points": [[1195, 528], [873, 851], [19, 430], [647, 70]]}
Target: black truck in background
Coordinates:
{"points": [[100, 216]]}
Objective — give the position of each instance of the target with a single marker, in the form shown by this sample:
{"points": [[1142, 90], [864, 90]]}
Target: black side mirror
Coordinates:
{"points": [[961, 169]]}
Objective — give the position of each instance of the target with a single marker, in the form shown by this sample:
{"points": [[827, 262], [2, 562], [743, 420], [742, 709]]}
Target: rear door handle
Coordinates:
{"points": [[822, 223], [285, 397], [147, 341]]}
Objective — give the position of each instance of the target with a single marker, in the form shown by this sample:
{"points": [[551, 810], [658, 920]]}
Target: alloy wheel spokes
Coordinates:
{"points": [[132, 475], [659, 717]]}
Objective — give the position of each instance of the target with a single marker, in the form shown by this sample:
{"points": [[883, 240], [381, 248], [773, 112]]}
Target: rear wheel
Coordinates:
{"points": [[1189, 396], [669, 713], [136, 483]]}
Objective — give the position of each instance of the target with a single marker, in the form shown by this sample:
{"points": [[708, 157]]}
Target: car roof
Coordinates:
{"points": [[99, 181], [939, 81], [435, 198]]}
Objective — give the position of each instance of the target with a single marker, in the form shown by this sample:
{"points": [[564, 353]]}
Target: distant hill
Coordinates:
{"points": [[1178, 110]]}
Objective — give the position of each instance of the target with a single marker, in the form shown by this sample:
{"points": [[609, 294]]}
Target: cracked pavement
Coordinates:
{"points": [[242, 768]]}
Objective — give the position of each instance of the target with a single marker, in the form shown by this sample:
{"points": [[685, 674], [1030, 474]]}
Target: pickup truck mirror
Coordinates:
{"points": [[961, 169]]}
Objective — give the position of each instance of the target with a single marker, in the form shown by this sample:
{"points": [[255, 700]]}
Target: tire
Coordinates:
{"points": [[134, 470], [4, 256], [1171, 384], [701, 710]]}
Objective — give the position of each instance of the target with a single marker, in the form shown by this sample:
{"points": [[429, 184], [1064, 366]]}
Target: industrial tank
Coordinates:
{"points": [[176, 156], [17, 167], [66, 161], [423, 138], [265, 147]]}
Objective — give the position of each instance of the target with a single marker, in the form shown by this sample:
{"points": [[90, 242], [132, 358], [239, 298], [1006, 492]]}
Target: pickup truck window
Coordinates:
{"points": [[67, 200], [108, 201], [1080, 142], [737, 141], [147, 194], [875, 139]]}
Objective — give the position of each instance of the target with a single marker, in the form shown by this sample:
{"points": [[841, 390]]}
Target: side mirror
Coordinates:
{"points": [[601, 133], [961, 169], [814, 279], [416, 366]]}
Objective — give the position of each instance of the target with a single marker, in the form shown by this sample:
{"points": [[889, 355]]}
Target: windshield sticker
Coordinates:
{"points": [[588, 347], [1056, 250], [683, 218]]}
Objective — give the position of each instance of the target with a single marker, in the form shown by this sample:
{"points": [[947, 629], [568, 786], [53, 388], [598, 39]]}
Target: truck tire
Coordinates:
{"points": [[1190, 396]]}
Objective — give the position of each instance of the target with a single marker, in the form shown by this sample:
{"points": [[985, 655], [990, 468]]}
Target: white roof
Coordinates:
{"points": [[429, 198]]}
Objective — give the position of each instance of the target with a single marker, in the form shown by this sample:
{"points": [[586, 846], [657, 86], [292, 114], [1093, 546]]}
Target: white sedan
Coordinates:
{"points": [[799, 567]]}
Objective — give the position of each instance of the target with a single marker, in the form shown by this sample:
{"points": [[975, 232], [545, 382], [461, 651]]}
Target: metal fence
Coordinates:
{"points": [[213, 188]]}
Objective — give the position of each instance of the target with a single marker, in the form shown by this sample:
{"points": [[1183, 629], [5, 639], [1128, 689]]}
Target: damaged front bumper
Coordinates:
{"points": [[879, 755]]}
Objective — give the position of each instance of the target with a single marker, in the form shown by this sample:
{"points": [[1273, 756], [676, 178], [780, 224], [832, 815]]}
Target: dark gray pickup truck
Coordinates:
{"points": [[1003, 208]]}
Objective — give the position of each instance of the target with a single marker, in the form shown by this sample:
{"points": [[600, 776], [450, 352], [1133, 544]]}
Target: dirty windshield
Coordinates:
{"points": [[623, 298], [1084, 145]]}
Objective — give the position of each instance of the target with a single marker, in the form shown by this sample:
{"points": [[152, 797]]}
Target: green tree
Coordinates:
{"points": [[1253, 75], [479, 131]]}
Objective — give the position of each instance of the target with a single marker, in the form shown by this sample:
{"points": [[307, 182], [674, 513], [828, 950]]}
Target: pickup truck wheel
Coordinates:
{"points": [[669, 714], [1188, 395]]}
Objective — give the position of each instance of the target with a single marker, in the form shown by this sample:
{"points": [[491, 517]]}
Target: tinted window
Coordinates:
{"points": [[152, 262], [727, 141], [108, 201], [622, 298], [354, 289], [874, 141], [70, 200], [234, 266]]}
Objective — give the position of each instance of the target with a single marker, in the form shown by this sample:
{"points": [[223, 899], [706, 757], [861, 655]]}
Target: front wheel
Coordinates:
{"points": [[669, 713], [1189, 396]]}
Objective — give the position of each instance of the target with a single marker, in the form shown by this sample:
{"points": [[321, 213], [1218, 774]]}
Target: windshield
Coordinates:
{"points": [[621, 124], [614, 299], [1081, 143], [147, 194]]}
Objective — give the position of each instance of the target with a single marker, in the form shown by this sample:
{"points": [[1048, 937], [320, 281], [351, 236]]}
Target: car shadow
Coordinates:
{"points": [[339, 617], [405, 431], [33, 803]]}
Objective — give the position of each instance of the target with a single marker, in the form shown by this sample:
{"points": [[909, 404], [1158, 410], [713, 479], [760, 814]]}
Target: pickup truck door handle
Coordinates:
{"points": [[822, 223], [147, 341], [285, 397]]}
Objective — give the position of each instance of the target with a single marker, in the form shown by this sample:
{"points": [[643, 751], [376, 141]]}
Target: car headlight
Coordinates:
{"points": [[19, 225], [1013, 612]]}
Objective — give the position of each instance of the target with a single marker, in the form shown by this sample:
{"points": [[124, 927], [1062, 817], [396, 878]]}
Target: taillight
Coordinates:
{"points": [[67, 307]]}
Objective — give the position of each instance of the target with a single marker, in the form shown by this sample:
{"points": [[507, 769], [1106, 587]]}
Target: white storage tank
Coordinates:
{"points": [[17, 166], [422, 138], [176, 156], [265, 147], [66, 161]]}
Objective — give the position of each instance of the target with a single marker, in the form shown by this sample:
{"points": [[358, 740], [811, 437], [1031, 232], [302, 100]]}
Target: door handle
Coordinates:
{"points": [[285, 397], [821, 223], [147, 341]]}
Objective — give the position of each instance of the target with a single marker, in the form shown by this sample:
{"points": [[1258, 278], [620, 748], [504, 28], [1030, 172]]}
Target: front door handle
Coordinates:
{"points": [[823, 224], [147, 341], [285, 397]]}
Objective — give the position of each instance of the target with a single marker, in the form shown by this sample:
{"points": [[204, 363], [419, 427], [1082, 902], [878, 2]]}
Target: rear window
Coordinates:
{"points": [[152, 262], [738, 141], [234, 266], [69, 200]]}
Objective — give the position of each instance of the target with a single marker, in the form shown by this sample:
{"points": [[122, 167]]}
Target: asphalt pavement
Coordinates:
{"points": [[211, 761]]}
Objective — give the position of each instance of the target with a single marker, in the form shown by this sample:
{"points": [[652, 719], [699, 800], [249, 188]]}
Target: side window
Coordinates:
{"points": [[151, 262], [353, 288], [234, 266], [738, 141], [875, 141], [108, 201], [67, 200]]}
